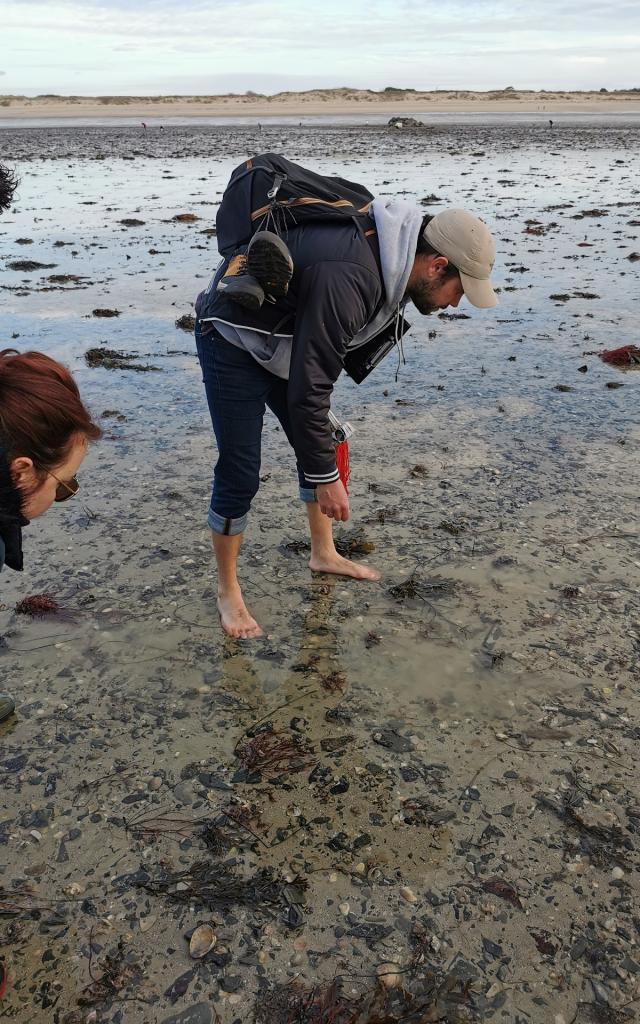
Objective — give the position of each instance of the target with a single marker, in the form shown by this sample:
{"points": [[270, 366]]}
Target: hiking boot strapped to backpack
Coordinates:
{"points": [[267, 196]]}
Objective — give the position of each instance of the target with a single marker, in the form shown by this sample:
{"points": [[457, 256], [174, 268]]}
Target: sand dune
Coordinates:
{"points": [[321, 101]]}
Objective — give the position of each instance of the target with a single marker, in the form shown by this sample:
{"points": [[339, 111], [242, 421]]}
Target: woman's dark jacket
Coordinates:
{"points": [[11, 518]]}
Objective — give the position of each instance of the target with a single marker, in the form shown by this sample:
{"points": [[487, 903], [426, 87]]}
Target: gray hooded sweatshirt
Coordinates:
{"points": [[398, 226]]}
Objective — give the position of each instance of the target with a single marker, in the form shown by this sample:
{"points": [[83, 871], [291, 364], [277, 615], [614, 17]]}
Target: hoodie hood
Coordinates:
{"points": [[11, 517], [398, 224]]}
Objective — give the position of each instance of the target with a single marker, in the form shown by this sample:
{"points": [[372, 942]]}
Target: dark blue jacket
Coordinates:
{"points": [[11, 518], [335, 290]]}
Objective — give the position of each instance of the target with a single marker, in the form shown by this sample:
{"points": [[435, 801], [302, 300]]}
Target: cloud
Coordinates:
{"points": [[267, 45]]}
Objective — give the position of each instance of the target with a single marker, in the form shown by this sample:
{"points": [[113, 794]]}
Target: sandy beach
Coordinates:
{"points": [[326, 102], [416, 800]]}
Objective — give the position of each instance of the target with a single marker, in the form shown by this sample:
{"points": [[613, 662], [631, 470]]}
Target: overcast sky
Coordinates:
{"points": [[98, 47]]}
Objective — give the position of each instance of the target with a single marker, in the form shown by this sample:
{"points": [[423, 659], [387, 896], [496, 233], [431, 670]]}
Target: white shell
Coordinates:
{"points": [[203, 939]]}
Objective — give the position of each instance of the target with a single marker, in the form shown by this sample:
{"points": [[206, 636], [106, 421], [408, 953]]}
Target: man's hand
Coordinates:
{"points": [[333, 501]]}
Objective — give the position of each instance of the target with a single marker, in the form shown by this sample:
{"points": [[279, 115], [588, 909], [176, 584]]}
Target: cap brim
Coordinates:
{"points": [[479, 293]]}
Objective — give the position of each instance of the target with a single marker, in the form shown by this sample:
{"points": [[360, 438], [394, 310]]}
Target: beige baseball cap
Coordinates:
{"points": [[467, 243]]}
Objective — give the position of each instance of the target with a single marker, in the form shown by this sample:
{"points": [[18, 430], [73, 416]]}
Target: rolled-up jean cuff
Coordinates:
{"points": [[228, 527], [308, 494]]}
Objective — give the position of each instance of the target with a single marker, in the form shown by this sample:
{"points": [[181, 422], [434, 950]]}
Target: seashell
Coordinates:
{"points": [[203, 939], [389, 975]]}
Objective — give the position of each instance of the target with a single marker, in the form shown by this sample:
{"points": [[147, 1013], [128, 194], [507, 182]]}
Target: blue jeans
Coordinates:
{"points": [[238, 391]]}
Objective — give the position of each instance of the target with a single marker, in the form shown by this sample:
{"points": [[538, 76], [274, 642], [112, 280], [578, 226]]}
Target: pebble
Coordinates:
{"points": [[74, 889], [155, 783], [408, 894], [344, 908], [147, 922], [617, 873]]}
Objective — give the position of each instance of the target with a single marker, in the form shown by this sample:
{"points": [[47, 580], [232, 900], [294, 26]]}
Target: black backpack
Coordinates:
{"points": [[269, 192]]}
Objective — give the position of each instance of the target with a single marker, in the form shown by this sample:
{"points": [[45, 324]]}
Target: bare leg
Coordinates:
{"points": [[234, 615], [324, 557]]}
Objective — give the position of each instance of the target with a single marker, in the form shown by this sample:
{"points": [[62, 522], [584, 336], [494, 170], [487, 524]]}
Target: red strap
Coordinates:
{"points": [[342, 463]]}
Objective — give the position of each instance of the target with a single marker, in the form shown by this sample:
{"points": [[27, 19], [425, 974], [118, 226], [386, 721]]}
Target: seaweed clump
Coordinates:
{"points": [[111, 359], [217, 886], [413, 588], [38, 606], [117, 972], [273, 752], [354, 544], [434, 996]]}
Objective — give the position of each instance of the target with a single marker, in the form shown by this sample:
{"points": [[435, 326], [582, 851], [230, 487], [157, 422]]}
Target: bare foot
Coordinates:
{"points": [[235, 618], [340, 566]]}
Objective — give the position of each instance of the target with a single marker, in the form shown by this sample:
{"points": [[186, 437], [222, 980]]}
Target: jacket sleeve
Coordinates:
{"points": [[335, 300]]}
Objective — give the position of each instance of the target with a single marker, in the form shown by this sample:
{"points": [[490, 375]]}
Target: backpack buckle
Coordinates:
{"points": [[277, 182]]}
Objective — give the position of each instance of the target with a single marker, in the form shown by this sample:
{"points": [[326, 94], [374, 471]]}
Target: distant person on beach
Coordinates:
{"points": [[44, 433], [550, 123], [350, 280]]}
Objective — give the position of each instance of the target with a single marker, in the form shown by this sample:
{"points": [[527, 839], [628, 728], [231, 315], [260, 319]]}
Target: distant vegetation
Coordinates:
{"points": [[510, 92]]}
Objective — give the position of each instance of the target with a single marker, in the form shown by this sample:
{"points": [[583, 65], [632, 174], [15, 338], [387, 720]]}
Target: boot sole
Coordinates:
{"points": [[268, 260], [245, 293]]}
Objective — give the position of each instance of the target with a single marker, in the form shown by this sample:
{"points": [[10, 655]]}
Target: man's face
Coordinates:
{"points": [[430, 294]]}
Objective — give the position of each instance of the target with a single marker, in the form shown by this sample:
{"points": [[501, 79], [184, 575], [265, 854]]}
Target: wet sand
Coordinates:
{"points": [[436, 772]]}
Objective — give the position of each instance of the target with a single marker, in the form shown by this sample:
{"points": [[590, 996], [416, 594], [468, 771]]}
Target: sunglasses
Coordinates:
{"points": [[65, 489]]}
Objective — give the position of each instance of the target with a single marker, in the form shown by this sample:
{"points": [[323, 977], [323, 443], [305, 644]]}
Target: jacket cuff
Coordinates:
{"points": [[322, 478]]}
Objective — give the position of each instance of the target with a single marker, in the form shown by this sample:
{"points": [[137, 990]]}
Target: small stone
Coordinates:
{"points": [[408, 894], [147, 922], [74, 889], [231, 983], [617, 873], [344, 908], [155, 783]]}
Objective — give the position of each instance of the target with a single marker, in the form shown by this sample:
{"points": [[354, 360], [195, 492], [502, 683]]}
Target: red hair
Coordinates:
{"points": [[41, 412]]}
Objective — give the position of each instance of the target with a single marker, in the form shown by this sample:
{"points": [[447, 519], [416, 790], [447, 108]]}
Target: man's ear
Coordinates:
{"points": [[440, 265]]}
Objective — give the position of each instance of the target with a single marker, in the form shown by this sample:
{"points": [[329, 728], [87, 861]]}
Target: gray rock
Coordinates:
{"points": [[184, 793], [200, 1013]]}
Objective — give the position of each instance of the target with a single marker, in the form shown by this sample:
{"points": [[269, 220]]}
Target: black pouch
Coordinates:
{"points": [[359, 362]]}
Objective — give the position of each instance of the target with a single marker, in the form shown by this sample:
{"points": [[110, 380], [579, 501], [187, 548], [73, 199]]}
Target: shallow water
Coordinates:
{"points": [[472, 475]]}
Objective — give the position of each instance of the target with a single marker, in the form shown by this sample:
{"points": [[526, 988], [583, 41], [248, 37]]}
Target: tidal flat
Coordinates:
{"points": [[410, 801]]}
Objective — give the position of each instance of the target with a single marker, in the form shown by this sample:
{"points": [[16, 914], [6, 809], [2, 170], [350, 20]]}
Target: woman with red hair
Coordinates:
{"points": [[44, 433]]}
